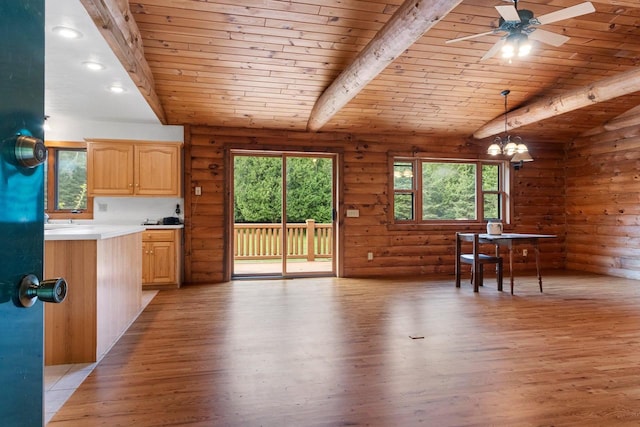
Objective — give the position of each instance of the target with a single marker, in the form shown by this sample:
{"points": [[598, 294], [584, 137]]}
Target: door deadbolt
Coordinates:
{"points": [[51, 290], [30, 151]]}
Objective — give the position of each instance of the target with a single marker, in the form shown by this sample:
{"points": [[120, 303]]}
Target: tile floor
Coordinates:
{"points": [[60, 381]]}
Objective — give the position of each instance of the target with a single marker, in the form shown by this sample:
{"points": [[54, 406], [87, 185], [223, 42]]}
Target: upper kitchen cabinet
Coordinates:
{"points": [[125, 168]]}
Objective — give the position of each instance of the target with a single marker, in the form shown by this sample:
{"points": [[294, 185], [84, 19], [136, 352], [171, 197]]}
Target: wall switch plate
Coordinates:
{"points": [[525, 252], [353, 213], [370, 256], [198, 191]]}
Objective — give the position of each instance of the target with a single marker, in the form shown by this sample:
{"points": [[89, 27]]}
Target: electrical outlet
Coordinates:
{"points": [[198, 191], [525, 252], [370, 256], [102, 207]]}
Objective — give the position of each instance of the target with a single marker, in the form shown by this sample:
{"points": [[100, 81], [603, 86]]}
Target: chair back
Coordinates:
{"points": [[468, 237]]}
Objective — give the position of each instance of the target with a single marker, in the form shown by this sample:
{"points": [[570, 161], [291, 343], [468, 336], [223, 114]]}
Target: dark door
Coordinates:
{"points": [[21, 211]]}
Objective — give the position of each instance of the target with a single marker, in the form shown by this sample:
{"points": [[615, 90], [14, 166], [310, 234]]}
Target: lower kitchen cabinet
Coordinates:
{"points": [[161, 260]]}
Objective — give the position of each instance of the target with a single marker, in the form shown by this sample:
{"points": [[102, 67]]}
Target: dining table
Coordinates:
{"points": [[509, 240]]}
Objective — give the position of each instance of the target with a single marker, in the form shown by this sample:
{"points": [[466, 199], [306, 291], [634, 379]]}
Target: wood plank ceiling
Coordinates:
{"points": [[264, 63]]}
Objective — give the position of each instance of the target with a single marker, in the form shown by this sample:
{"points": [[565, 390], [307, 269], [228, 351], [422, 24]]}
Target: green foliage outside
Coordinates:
{"points": [[258, 189], [491, 182], [448, 191], [403, 180], [309, 189], [72, 179]]}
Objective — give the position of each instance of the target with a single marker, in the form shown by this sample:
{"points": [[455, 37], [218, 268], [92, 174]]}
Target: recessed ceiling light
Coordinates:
{"points": [[67, 33], [94, 66], [116, 89]]}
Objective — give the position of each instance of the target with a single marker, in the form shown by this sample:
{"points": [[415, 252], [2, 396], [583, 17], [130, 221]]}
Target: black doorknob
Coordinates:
{"points": [[51, 290]]}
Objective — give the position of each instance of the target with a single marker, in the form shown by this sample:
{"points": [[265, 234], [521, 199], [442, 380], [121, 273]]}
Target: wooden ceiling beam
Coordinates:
{"points": [[113, 19], [602, 90], [412, 19], [629, 118]]}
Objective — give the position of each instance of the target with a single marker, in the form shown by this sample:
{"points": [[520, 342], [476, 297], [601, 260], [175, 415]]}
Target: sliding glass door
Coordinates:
{"points": [[283, 214]]}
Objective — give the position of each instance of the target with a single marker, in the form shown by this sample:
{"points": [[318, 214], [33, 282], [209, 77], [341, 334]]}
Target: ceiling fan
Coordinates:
{"points": [[520, 25]]}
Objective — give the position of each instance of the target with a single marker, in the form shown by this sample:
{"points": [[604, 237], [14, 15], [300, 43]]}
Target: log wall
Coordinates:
{"points": [[603, 203], [538, 191]]}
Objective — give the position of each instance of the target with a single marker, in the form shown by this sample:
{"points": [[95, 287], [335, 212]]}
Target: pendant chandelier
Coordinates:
{"points": [[507, 146]]}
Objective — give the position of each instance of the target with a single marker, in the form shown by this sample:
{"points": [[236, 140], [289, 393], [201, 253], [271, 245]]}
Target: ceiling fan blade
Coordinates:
{"points": [[548, 37], [569, 12], [494, 49], [469, 37], [508, 13]]}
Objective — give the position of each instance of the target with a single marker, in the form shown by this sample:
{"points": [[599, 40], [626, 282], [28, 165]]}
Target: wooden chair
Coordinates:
{"points": [[476, 259]]}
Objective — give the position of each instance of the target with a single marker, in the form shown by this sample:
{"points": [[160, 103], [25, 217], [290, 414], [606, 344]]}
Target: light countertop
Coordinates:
{"points": [[163, 227], [89, 232]]}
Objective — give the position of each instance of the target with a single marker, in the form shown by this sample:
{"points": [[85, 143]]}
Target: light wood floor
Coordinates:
{"points": [[336, 352]]}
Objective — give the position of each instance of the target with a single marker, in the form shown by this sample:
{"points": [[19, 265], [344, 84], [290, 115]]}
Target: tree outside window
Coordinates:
{"points": [[66, 181], [71, 180], [428, 191]]}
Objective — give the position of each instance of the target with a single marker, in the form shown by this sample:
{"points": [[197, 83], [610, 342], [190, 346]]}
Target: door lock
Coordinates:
{"points": [[30, 289], [30, 151]]}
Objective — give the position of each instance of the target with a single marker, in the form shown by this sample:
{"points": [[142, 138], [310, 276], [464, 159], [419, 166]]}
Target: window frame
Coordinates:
{"points": [[53, 147], [504, 191]]}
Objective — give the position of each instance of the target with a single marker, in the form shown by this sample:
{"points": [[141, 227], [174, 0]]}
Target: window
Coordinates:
{"points": [[431, 190], [66, 181]]}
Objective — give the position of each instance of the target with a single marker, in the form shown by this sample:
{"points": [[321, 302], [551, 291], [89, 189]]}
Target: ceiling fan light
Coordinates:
{"points": [[524, 48], [508, 49]]}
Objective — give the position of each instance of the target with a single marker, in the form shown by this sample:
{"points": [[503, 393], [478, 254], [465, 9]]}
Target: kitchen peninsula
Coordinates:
{"points": [[102, 265]]}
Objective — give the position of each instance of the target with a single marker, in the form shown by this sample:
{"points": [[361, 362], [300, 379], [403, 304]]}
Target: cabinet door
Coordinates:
{"points": [[110, 169], [157, 170], [162, 262], [146, 263]]}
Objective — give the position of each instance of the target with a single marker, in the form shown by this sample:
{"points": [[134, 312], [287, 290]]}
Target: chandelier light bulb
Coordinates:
{"points": [[510, 148], [494, 149], [513, 148]]}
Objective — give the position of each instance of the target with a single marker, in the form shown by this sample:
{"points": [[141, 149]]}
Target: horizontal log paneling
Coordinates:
{"points": [[538, 195], [603, 203]]}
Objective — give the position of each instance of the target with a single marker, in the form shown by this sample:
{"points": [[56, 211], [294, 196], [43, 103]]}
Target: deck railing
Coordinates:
{"points": [[263, 241]]}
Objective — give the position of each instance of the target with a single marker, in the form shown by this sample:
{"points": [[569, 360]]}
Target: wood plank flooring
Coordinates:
{"points": [[336, 352]]}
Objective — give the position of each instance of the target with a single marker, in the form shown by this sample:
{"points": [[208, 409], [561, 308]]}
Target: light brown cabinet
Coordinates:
{"points": [[116, 168], [161, 263]]}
